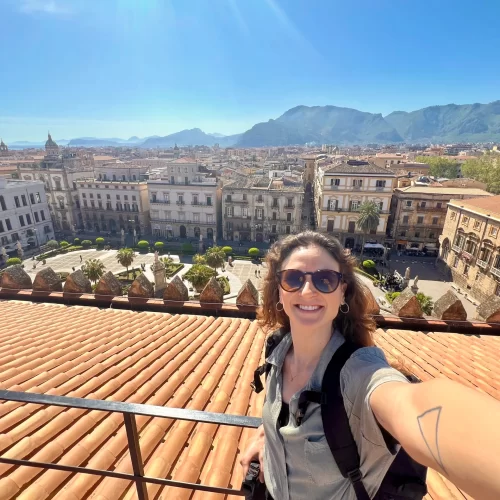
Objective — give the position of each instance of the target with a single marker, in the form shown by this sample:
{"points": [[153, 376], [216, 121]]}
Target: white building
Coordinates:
{"points": [[183, 200], [115, 198], [341, 188], [261, 209], [24, 214]]}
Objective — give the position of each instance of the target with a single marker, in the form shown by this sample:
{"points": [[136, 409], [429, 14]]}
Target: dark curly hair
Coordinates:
{"points": [[357, 325]]}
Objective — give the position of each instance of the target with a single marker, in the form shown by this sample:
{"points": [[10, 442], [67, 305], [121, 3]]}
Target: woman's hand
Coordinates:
{"points": [[253, 451]]}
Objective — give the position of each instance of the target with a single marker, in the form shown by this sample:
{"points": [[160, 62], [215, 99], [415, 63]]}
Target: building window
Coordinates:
{"points": [[91, 195], [354, 206], [477, 225], [406, 219], [46, 229], [209, 201], [229, 211], [493, 231], [333, 204], [58, 185], [32, 198], [85, 203], [431, 235], [380, 205], [5, 240], [455, 262], [196, 217], [28, 218], [92, 203], [21, 221], [466, 270], [2, 203], [99, 196], [289, 217], [244, 197], [274, 215], [453, 215], [42, 214], [195, 200], [16, 201], [357, 182], [420, 219], [465, 221], [287, 229], [244, 212], [154, 197], [15, 237], [134, 198], [259, 213], [273, 228], [210, 218], [1, 227], [408, 203], [423, 204], [84, 195], [228, 197], [439, 205], [417, 234], [335, 182], [36, 216], [25, 202], [435, 221], [380, 184], [402, 233]]}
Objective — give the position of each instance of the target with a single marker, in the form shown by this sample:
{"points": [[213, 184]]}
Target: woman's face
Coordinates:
{"points": [[308, 307]]}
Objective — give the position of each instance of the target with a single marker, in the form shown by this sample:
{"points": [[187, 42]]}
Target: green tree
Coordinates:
{"points": [[215, 257], [63, 244], [199, 259], [52, 244], [13, 261], [253, 252], [439, 166], [199, 275], [368, 220], [485, 169], [125, 257], [93, 269]]}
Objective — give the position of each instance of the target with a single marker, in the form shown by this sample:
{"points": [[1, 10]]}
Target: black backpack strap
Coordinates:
{"points": [[336, 422], [271, 343]]}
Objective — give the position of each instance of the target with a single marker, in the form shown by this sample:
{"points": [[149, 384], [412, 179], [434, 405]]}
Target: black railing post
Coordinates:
{"points": [[135, 455]]}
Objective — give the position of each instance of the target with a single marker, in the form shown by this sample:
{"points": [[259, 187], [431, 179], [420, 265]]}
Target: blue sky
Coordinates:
{"points": [[116, 68]]}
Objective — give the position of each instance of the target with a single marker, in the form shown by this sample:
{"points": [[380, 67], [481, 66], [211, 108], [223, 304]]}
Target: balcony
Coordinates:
{"points": [[164, 202], [495, 271], [482, 263], [380, 188], [198, 204], [259, 201], [289, 207], [243, 217], [467, 255], [237, 202], [180, 203], [456, 248], [357, 188], [184, 221]]}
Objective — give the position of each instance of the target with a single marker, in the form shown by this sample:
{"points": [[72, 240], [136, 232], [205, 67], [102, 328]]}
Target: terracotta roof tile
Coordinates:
{"points": [[195, 362]]}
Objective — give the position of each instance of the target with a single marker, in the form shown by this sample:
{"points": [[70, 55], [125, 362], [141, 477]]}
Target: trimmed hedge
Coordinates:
{"points": [[253, 252], [64, 244], [76, 241], [86, 243], [367, 264], [159, 245], [13, 261], [74, 248], [99, 241], [172, 269], [227, 250]]}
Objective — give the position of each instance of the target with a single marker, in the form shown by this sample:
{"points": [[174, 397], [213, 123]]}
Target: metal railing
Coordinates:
{"points": [[495, 271], [129, 411], [482, 263], [456, 248]]}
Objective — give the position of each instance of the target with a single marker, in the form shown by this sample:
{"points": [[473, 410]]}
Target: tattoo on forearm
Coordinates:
{"points": [[428, 423]]}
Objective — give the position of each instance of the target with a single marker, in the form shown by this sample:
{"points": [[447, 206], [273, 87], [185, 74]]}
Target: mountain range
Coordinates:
{"points": [[333, 125]]}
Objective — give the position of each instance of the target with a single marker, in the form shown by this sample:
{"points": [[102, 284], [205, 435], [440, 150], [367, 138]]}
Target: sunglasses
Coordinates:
{"points": [[324, 280]]}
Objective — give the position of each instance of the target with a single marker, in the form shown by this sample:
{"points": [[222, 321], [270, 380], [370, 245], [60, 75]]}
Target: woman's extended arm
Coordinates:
{"points": [[446, 426]]}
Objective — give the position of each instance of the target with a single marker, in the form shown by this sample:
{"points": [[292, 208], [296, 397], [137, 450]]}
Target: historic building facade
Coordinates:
{"points": [[341, 188], [183, 198], [261, 209], [470, 246]]}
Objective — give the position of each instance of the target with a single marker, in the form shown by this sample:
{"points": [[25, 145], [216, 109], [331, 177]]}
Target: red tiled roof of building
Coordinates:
{"points": [[182, 361], [484, 206]]}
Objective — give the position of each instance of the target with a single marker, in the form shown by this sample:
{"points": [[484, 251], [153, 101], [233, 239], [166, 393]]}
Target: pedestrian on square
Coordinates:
{"points": [[81, 259], [256, 273]]}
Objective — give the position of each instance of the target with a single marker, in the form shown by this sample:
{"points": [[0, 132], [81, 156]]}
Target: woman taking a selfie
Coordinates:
{"points": [[311, 293]]}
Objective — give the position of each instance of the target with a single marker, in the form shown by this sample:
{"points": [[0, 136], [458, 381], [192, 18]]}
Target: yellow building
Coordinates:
{"points": [[339, 191], [418, 214], [470, 246]]}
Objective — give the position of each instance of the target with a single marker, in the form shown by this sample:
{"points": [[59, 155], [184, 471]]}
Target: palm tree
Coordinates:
{"points": [[199, 275], [368, 220], [93, 269], [215, 257], [125, 257]]}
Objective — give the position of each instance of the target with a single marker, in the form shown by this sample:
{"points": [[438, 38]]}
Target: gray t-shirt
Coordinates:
{"points": [[298, 463]]}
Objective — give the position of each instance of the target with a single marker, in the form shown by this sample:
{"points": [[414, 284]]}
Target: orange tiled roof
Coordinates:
{"points": [[186, 361]]}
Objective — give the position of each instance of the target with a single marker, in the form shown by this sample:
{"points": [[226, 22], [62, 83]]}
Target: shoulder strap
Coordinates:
{"points": [[336, 422], [271, 343]]}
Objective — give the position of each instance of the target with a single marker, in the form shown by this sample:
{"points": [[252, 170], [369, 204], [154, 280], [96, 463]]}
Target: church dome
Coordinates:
{"points": [[50, 143]]}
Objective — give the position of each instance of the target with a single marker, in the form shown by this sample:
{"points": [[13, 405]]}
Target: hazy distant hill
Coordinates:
{"points": [[192, 137], [321, 124], [449, 123]]}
